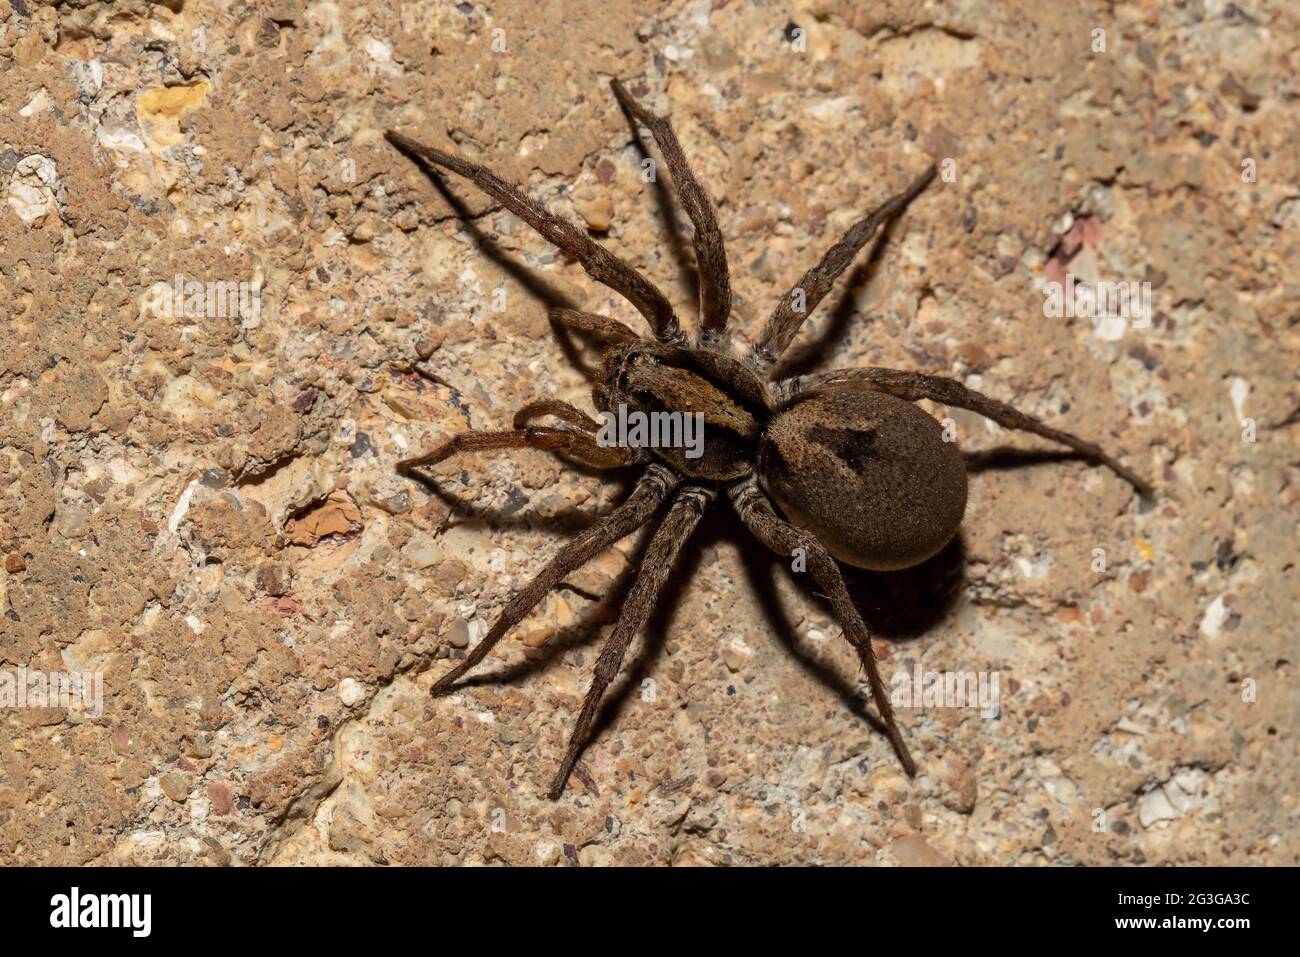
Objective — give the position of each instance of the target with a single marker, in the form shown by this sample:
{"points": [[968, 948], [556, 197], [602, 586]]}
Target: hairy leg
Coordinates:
{"points": [[688, 505], [783, 538], [592, 323], [585, 453], [710, 254], [645, 499], [915, 385], [561, 410], [602, 265], [797, 304], [581, 446]]}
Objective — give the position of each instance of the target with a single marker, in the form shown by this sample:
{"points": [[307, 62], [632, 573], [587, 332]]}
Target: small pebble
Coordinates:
{"points": [[351, 691], [175, 787], [458, 634]]}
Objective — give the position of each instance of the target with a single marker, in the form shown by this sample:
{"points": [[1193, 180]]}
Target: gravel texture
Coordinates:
{"points": [[198, 499]]}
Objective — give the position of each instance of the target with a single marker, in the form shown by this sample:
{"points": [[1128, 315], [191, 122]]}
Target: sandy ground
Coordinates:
{"points": [[198, 500]]}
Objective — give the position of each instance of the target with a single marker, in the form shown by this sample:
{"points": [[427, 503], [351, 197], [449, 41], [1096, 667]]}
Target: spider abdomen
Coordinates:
{"points": [[868, 473]]}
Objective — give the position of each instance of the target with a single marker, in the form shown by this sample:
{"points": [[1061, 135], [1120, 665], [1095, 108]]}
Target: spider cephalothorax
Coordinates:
{"points": [[649, 378], [860, 473]]}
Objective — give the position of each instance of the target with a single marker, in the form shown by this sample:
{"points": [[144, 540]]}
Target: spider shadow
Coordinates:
{"points": [[536, 286], [520, 516], [533, 284], [545, 292], [640, 661], [898, 606], [894, 619], [575, 636], [1004, 457], [655, 634], [679, 244], [642, 657], [803, 358]]}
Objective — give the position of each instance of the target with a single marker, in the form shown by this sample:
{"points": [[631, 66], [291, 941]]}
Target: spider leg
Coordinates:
{"points": [[580, 446], [684, 514], [635, 511], [600, 264], [710, 254], [783, 538], [561, 410], [915, 385], [594, 324], [797, 304], [587, 449]]}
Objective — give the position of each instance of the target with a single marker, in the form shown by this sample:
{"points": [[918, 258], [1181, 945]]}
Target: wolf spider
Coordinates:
{"points": [[860, 474]]}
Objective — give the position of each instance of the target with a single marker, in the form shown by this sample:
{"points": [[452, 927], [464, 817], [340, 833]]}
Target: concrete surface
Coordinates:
{"points": [[200, 506]]}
